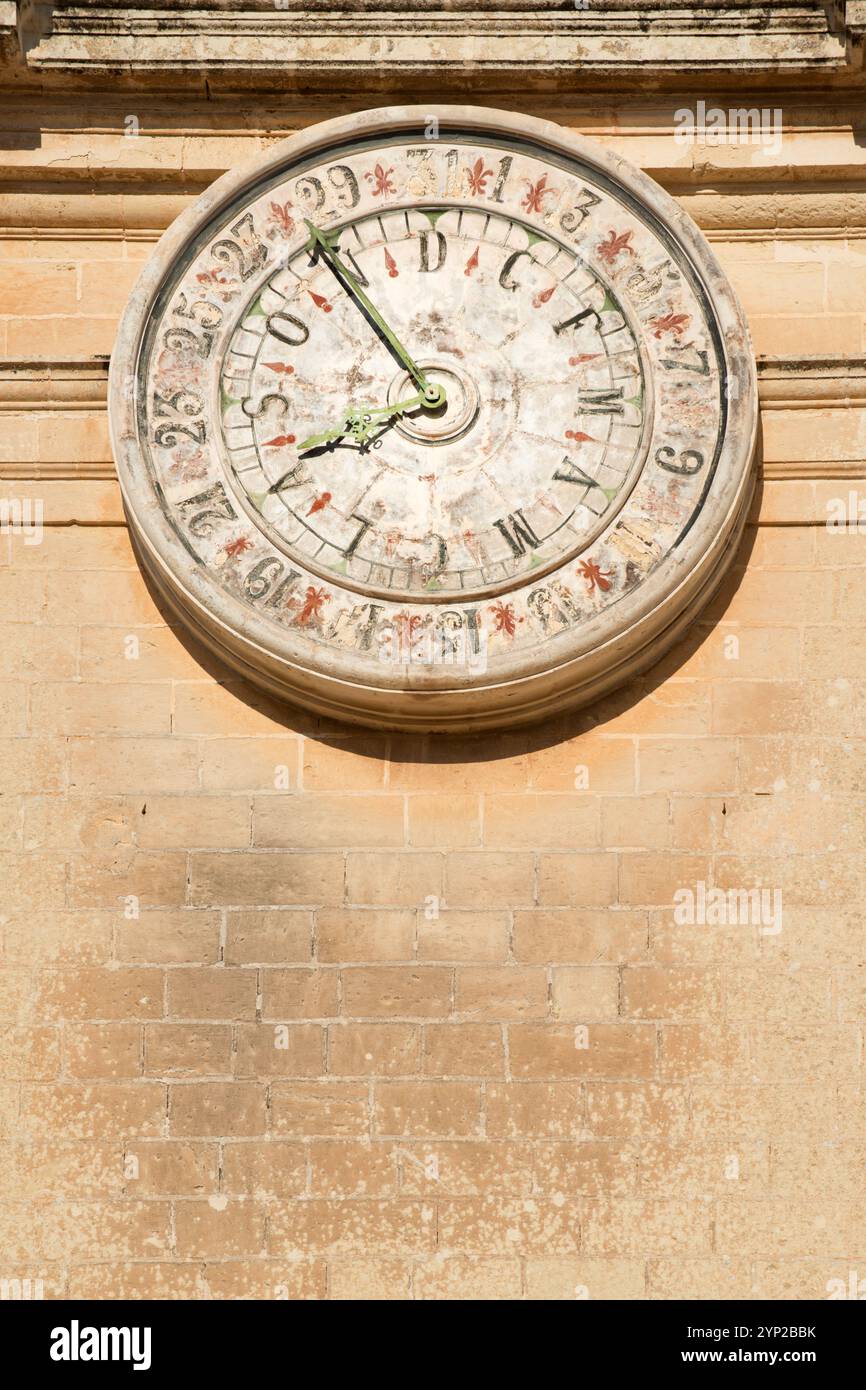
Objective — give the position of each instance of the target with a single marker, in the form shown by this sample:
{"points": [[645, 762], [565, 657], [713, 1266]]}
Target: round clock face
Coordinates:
{"points": [[464, 499], [435, 422]]}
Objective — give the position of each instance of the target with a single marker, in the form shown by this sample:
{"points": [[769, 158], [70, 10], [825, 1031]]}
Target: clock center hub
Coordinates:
{"points": [[449, 421]]}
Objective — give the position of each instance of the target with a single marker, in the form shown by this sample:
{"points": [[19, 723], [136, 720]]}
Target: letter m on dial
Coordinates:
{"points": [[517, 532]]}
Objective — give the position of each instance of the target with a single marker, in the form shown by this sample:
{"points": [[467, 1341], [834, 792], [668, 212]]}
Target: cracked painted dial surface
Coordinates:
{"points": [[342, 545], [537, 357]]}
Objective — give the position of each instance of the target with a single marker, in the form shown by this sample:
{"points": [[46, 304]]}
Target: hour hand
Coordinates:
{"points": [[363, 423]]}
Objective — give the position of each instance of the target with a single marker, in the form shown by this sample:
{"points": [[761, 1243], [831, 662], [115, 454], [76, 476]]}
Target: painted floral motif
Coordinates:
{"points": [[380, 178], [390, 264], [670, 323], [177, 371], [533, 200], [472, 263], [232, 549], [188, 464], [691, 414], [409, 628], [504, 619], [178, 367], [615, 245], [280, 222], [594, 575], [477, 176], [310, 612], [217, 281]]}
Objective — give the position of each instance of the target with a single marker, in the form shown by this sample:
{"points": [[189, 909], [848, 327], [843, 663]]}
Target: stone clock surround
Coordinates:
{"points": [[656, 614]]}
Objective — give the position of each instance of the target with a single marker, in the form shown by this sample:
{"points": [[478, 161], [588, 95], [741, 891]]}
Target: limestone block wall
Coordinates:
{"points": [[292, 1010]]}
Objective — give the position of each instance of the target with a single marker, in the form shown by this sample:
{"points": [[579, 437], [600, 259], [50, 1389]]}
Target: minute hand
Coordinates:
{"points": [[323, 244]]}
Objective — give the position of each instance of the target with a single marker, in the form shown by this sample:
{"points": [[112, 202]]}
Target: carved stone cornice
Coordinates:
{"points": [[367, 45], [39, 384], [43, 389], [807, 383], [853, 15]]}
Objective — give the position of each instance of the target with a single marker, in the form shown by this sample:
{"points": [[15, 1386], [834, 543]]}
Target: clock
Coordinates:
{"points": [[435, 420]]}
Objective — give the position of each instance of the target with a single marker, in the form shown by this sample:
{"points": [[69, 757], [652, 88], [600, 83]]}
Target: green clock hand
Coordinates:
{"points": [[363, 423], [325, 244]]}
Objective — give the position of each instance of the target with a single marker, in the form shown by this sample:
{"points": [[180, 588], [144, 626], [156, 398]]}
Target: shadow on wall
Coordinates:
{"points": [[488, 746]]}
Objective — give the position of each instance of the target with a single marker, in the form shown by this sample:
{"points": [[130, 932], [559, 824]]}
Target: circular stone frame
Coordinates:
{"points": [[599, 655]]}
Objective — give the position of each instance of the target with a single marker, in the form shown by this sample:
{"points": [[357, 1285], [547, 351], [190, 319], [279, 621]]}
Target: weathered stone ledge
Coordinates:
{"points": [[60, 409], [40, 383], [221, 46]]}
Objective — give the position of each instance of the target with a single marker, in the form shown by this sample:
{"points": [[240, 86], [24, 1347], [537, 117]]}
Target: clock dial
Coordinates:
{"points": [[535, 448], [435, 432]]}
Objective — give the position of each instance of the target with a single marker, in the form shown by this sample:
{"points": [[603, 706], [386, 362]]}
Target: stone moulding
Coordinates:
{"points": [[596, 655], [359, 45], [788, 383], [81, 383], [41, 384], [46, 388]]}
